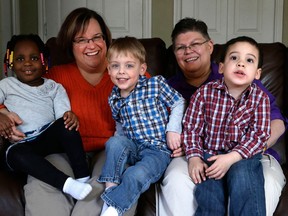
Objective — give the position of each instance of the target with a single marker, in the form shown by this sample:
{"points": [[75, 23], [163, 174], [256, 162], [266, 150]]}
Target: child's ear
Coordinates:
{"points": [[258, 74], [108, 68], [221, 66], [143, 68]]}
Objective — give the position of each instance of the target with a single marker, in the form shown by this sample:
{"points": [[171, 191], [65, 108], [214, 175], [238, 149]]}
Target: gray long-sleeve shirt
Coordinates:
{"points": [[36, 106]]}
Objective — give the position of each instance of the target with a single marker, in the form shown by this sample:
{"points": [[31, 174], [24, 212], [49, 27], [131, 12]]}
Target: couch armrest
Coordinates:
{"points": [[1, 143], [2, 154]]}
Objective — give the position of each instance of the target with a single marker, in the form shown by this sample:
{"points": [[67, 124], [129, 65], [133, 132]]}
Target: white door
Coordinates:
{"points": [[260, 19], [124, 17]]}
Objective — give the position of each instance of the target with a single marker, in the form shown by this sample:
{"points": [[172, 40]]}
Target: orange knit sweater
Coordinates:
{"points": [[89, 103]]}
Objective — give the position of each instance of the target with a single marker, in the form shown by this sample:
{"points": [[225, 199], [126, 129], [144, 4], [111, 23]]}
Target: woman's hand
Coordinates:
{"points": [[8, 123], [178, 152]]}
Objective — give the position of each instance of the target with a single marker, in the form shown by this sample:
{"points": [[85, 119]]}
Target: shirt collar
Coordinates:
{"points": [[141, 82], [220, 84]]}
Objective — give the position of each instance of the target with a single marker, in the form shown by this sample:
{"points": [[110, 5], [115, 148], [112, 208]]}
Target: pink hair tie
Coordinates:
{"points": [[42, 58]]}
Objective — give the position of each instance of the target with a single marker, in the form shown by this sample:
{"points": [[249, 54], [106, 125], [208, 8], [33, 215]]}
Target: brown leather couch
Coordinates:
{"points": [[160, 60]]}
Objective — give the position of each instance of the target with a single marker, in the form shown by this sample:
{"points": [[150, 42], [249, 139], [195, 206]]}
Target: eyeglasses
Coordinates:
{"points": [[180, 50], [84, 41]]}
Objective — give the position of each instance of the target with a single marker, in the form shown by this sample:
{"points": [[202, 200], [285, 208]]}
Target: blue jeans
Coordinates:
{"points": [[146, 165], [243, 184]]}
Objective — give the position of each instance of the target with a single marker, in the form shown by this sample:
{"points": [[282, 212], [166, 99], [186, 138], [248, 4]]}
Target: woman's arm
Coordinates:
{"points": [[277, 130], [6, 125], [278, 121]]}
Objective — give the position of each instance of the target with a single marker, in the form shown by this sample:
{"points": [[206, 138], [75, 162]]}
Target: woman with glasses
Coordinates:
{"points": [[86, 37], [192, 49]]}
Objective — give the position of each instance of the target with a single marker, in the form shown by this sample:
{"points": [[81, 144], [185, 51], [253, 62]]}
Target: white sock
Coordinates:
{"points": [[84, 179], [76, 189], [111, 211], [104, 208]]}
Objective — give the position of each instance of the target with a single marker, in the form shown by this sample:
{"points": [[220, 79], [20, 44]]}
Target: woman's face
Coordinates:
{"points": [[90, 54], [193, 52]]}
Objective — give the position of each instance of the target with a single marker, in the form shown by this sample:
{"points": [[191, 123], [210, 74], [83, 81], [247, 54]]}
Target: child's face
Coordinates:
{"points": [[27, 63], [124, 71], [240, 66]]}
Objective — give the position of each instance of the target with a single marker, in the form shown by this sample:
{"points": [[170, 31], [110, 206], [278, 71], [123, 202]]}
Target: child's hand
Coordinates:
{"points": [[173, 140], [221, 164], [196, 169], [71, 120]]}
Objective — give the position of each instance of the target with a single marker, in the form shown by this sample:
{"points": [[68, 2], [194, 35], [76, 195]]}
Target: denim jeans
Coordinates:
{"points": [[146, 165], [243, 184]]}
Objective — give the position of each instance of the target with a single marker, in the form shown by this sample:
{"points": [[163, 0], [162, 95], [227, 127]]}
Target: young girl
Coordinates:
{"points": [[48, 124]]}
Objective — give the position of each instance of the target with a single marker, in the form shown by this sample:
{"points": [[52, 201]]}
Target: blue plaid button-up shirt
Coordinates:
{"points": [[144, 114]]}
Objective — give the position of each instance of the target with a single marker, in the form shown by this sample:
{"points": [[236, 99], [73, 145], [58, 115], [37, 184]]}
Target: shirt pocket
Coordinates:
{"points": [[150, 118], [242, 123], [152, 110]]}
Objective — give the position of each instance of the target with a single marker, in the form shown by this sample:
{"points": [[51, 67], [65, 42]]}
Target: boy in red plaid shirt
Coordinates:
{"points": [[226, 128]]}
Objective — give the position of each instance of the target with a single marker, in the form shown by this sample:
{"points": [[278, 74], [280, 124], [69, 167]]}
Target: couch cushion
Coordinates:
{"points": [[12, 197]]}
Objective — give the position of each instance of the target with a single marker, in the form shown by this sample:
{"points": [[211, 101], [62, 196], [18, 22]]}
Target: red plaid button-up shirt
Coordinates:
{"points": [[215, 122]]}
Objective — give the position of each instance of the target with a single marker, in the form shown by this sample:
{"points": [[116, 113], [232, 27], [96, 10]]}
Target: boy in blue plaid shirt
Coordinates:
{"points": [[148, 115]]}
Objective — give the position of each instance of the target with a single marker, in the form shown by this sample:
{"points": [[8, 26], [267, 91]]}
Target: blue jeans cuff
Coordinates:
{"points": [[108, 179]]}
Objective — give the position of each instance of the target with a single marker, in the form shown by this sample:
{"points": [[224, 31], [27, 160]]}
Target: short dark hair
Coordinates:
{"points": [[190, 24], [243, 39]]}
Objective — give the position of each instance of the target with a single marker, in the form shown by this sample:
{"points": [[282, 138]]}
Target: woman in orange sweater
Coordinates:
{"points": [[85, 36]]}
